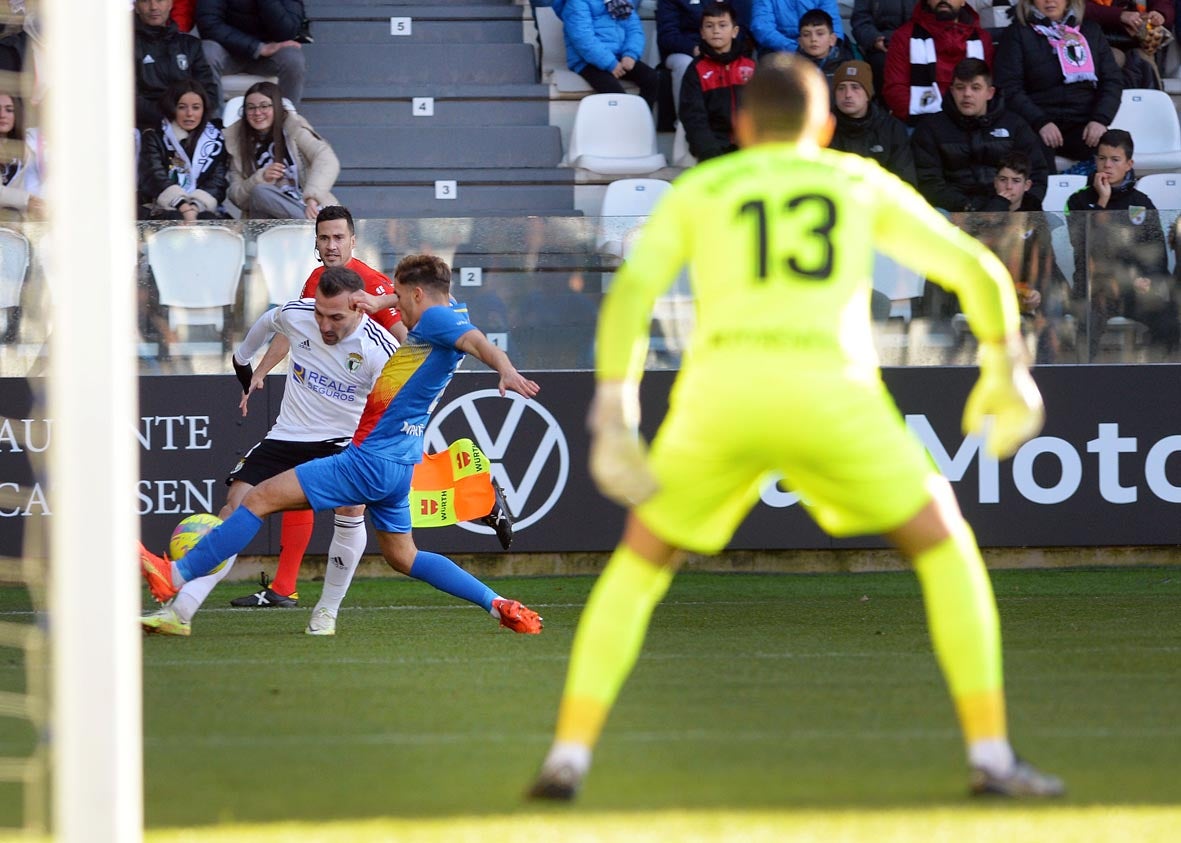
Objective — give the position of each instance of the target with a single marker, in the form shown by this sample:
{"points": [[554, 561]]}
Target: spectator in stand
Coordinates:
{"points": [[1012, 185], [1128, 25], [1123, 253], [254, 36], [775, 24], [183, 164], [20, 181], [957, 152], [874, 23], [14, 38], [1057, 71], [820, 43], [604, 43], [1021, 239], [678, 34], [280, 169], [1122, 20], [866, 128], [923, 53], [710, 90], [163, 55], [184, 14]]}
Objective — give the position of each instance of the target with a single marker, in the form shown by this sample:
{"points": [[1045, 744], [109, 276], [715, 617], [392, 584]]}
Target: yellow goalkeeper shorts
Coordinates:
{"points": [[841, 445]]}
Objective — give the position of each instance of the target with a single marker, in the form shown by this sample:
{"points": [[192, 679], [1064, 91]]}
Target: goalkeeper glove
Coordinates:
{"points": [[618, 455], [1006, 392], [245, 374]]}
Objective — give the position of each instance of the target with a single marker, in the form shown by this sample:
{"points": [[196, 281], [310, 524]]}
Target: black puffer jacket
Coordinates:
{"points": [[1028, 73], [242, 26], [956, 156], [878, 135], [163, 55]]}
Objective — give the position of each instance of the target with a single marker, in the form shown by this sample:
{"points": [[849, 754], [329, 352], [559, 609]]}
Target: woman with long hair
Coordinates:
{"points": [[281, 169], [20, 180], [183, 165]]}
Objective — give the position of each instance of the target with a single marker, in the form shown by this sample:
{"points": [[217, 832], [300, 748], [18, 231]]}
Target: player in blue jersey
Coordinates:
{"points": [[375, 469]]}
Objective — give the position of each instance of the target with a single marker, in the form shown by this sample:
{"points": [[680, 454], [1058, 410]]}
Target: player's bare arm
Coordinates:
{"points": [[278, 349], [369, 303], [479, 346]]}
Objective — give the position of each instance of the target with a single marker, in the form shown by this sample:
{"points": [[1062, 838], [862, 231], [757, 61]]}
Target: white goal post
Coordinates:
{"points": [[94, 598]]}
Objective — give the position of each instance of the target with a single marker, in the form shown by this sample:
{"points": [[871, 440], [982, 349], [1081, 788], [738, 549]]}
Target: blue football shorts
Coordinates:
{"points": [[357, 476]]}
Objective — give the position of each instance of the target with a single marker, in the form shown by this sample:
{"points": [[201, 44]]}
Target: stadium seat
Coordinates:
{"points": [[1151, 118], [625, 206], [232, 111], [897, 283], [614, 135], [554, 72], [197, 269], [1059, 188], [682, 157], [285, 258], [1164, 189], [14, 265], [237, 84]]}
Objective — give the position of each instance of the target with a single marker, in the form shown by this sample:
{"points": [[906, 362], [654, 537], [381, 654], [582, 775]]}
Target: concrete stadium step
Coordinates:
{"points": [[417, 9], [456, 105], [449, 147], [563, 176], [395, 89], [438, 64], [431, 24], [412, 196], [423, 30], [321, 8]]}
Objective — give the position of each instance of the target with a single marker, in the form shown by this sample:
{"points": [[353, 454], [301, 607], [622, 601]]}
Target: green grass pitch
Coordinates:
{"points": [[764, 707]]}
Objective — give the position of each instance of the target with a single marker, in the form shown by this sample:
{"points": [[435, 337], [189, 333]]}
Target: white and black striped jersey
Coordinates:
{"points": [[326, 385]]}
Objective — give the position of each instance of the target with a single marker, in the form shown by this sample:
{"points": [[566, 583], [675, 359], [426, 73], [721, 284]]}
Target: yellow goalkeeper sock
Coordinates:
{"points": [[608, 641], [965, 632]]}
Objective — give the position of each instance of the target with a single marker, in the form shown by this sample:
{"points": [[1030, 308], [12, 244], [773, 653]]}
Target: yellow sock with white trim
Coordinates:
{"points": [[608, 642], [966, 636]]}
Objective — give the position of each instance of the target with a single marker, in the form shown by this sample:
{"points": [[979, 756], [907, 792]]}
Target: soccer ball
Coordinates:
{"points": [[189, 532]]}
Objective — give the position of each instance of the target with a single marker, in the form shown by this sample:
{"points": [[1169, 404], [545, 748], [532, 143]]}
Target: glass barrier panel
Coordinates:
{"points": [[1094, 287]]}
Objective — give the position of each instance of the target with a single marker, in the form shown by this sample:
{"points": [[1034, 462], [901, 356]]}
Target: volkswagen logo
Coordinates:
{"points": [[523, 441]]}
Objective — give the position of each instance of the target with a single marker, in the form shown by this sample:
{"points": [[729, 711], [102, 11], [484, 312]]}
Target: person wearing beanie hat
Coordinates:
{"points": [[866, 128], [854, 71]]}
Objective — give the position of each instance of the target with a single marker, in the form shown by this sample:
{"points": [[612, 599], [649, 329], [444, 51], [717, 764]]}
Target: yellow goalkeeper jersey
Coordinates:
{"points": [[780, 242]]}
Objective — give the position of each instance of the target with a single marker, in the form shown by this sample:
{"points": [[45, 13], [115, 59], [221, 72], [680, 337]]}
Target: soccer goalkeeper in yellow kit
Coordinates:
{"points": [[781, 376]]}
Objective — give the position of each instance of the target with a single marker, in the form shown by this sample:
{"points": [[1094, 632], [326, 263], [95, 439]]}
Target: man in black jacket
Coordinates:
{"points": [[163, 54], [866, 128], [956, 151], [254, 36]]}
